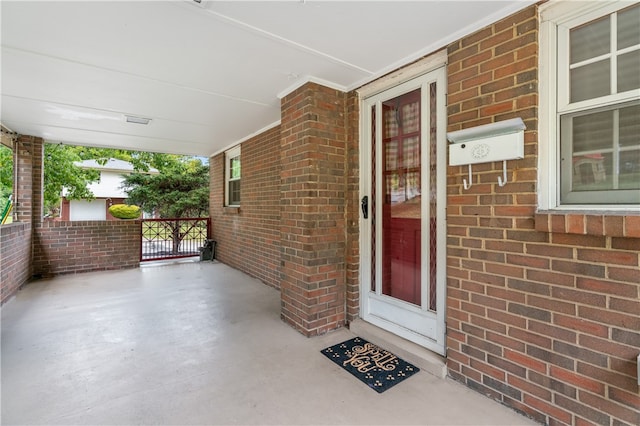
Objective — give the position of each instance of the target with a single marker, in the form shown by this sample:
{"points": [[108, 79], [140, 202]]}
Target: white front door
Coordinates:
{"points": [[403, 236]]}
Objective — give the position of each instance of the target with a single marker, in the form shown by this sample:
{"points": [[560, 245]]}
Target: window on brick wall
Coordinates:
{"points": [[590, 105], [232, 177]]}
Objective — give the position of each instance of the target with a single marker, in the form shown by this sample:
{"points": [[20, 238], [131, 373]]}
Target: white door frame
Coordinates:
{"points": [[429, 328]]}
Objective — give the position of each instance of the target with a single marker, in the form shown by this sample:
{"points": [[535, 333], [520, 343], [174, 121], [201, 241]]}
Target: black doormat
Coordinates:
{"points": [[377, 368]]}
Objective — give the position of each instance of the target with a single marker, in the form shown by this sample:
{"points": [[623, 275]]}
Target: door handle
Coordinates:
{"points": [[364, 205]]}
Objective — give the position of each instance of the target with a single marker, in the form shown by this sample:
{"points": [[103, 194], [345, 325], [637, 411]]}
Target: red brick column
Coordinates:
{"points": [[313, 204], [16, 239], [353, 208], [28, 155]]}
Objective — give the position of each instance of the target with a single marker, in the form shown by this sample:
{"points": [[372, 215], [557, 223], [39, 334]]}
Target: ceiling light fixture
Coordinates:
{"points": [[137, 120]]}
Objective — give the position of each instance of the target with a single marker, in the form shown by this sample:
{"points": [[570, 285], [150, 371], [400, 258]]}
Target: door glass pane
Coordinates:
{"points": [[433, 193], [401, 221], [372, 202], [629, 27], [590, 40], [391, 156], [394, 189], [411, 152], [410, 117], [413, 186], [390, 125]]}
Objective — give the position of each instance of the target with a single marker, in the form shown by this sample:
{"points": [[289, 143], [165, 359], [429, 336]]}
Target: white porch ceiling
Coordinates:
{"points": [[207, 75]]}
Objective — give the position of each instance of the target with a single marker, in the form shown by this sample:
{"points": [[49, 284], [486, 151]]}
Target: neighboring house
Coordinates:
{"points": [[107, 191]]}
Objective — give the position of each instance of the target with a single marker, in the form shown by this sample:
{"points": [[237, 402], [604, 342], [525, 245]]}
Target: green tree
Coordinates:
{"points": [[141, 161], [181, 190], [61, 172], [6, 175]]}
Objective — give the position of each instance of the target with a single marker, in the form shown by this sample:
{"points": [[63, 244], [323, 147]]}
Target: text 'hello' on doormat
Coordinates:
{"points": [[377, 368]]}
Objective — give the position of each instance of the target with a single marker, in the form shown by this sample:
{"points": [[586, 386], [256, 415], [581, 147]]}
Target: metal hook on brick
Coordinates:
{"points": [[502, 181], [464, 181]]}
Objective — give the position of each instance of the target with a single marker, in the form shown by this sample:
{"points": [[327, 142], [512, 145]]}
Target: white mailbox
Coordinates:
{"points": [[494, 148], [499, 141]]}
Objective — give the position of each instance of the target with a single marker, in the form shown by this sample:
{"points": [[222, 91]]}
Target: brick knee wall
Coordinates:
{"points": [[15, 258], [81, 246], [543, 313]]}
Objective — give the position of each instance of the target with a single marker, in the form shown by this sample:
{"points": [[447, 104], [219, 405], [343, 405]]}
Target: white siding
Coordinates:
{"points": [[87, 210], [109, 185]]}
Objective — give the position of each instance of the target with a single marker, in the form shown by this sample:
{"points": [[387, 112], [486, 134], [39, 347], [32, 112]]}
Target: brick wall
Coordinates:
{"points": [[15, 256], [248, 238], [542, 310], [69, 247], [313, 155]]}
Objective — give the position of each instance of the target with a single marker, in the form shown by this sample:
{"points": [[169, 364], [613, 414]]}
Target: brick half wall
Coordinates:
{"points": [[15, 258], [62, 247]]}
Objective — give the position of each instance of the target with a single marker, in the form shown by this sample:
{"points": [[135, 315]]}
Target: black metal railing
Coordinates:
{"points": [[173, 238]]}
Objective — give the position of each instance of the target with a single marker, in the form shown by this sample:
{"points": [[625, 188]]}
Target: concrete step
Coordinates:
{"points": [[423, 358]]}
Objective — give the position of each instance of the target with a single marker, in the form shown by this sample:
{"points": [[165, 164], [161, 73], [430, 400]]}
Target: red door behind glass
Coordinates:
{"points": [[401, 221]]}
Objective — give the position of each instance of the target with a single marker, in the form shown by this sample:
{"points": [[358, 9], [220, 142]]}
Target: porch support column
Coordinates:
{"points": [[313, 205], [28, 157]]}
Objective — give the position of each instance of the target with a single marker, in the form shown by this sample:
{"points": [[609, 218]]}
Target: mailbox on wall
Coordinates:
{"points": [[499, 141]]}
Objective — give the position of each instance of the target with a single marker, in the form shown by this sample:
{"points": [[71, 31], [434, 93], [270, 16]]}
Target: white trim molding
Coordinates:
{"points": [[423, 66], [311, 79]]}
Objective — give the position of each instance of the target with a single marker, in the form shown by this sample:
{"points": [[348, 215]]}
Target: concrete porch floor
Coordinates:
{"points": [[194, 343]]}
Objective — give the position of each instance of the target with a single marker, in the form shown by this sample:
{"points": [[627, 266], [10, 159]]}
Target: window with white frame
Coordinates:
{"points": [[232, 176], [590, 104]]}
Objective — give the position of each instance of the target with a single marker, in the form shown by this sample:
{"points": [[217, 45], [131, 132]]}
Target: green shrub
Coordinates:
{"points": [[124, 211]]}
